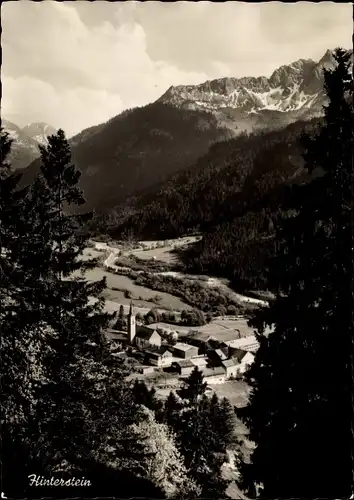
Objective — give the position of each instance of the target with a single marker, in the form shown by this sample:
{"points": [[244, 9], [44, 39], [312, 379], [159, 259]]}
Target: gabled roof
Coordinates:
{"points": [[159, 352], [142, 332], [213, 343], [230, 362], [209, 372], [238, 354], [201, 336], [221, 354], [183, 347], [185, 363], [249, 343]]}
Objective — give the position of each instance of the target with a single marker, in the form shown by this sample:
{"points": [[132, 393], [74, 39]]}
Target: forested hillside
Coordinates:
{"points": [[137, 149], [233, 194]]}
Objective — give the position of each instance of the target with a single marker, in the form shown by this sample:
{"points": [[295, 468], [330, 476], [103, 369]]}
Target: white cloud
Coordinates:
{"points": [[70, 109], [76, 64], [70, 76]]}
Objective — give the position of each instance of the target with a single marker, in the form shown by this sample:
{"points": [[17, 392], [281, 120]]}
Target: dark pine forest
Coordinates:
{"points": [[233, 195]]}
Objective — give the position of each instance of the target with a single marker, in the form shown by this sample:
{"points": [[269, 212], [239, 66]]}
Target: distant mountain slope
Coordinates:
{"points": [[39, 132], [25, 142], [137, 149]]}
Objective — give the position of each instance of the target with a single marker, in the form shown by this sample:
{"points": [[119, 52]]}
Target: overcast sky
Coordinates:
{"points": [[77, 64]]}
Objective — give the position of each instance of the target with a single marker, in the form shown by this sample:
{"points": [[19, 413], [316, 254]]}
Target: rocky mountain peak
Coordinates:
{"points": [[293, 87], [327, 59], [26, 141], [39, 131]]}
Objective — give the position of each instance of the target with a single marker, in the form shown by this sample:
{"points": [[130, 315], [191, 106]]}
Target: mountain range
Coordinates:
{"points": [[293, 92], [290, 88], [145, 146], [26, 141]]}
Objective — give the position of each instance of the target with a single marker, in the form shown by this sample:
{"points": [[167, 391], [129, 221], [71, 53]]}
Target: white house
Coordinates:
{"points": [[238, 363], [161, 357]]}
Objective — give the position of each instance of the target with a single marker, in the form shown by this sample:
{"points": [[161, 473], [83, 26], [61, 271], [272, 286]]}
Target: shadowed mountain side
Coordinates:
{"points": [[233, 195], [137, 149], [230, 179]]}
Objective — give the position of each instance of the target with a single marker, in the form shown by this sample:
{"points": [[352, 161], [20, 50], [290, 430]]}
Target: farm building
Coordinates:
{"points": [[200, 361], [213, 344], [184, 367], [185, 351], [200, 336], [249, 343], [203, 341], [215, 375], [217, 356], [245, 359], [160, 357], [238, 363], [232, 367]]}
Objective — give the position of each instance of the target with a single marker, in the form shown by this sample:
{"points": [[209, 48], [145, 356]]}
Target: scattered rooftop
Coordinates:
{"points": [[238, 354], [249, 343], [221, 354], [201, 336], [183, 347], [185, 363], [209, 372], [158, 352]]}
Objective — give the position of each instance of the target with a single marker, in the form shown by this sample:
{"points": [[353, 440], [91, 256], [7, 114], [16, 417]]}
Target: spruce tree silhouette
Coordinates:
{"points": [[194, 387], [301, 407]]}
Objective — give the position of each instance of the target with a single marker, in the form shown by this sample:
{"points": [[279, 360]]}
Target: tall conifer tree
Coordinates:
{"points": [[194, 387], [69, 307], [22, 350], [301, 408]]}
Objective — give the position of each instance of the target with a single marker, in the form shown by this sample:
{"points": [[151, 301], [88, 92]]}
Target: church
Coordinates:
{"points": [[141, 336]]}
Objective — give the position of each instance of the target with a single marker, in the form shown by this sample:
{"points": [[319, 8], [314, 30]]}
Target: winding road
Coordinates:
{"points": [[215, 282]]}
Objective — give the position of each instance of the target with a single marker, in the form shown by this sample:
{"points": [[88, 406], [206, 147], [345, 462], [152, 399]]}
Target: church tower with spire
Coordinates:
{"points": [[131, 325]]}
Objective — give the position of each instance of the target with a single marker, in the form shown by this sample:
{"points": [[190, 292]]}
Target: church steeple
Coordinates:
{"points": [[131, 324]]}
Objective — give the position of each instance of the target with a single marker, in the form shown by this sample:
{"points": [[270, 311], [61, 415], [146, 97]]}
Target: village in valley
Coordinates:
{"points": [[161, 348], [164, 353]]}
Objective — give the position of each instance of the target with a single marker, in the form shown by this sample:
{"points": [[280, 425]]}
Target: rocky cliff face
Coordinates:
{"points": [[295, 89]]}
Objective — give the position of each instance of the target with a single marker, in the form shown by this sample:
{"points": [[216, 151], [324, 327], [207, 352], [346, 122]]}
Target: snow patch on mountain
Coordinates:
{"points": [[291, 88], [26, 141], [39, 132]]}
